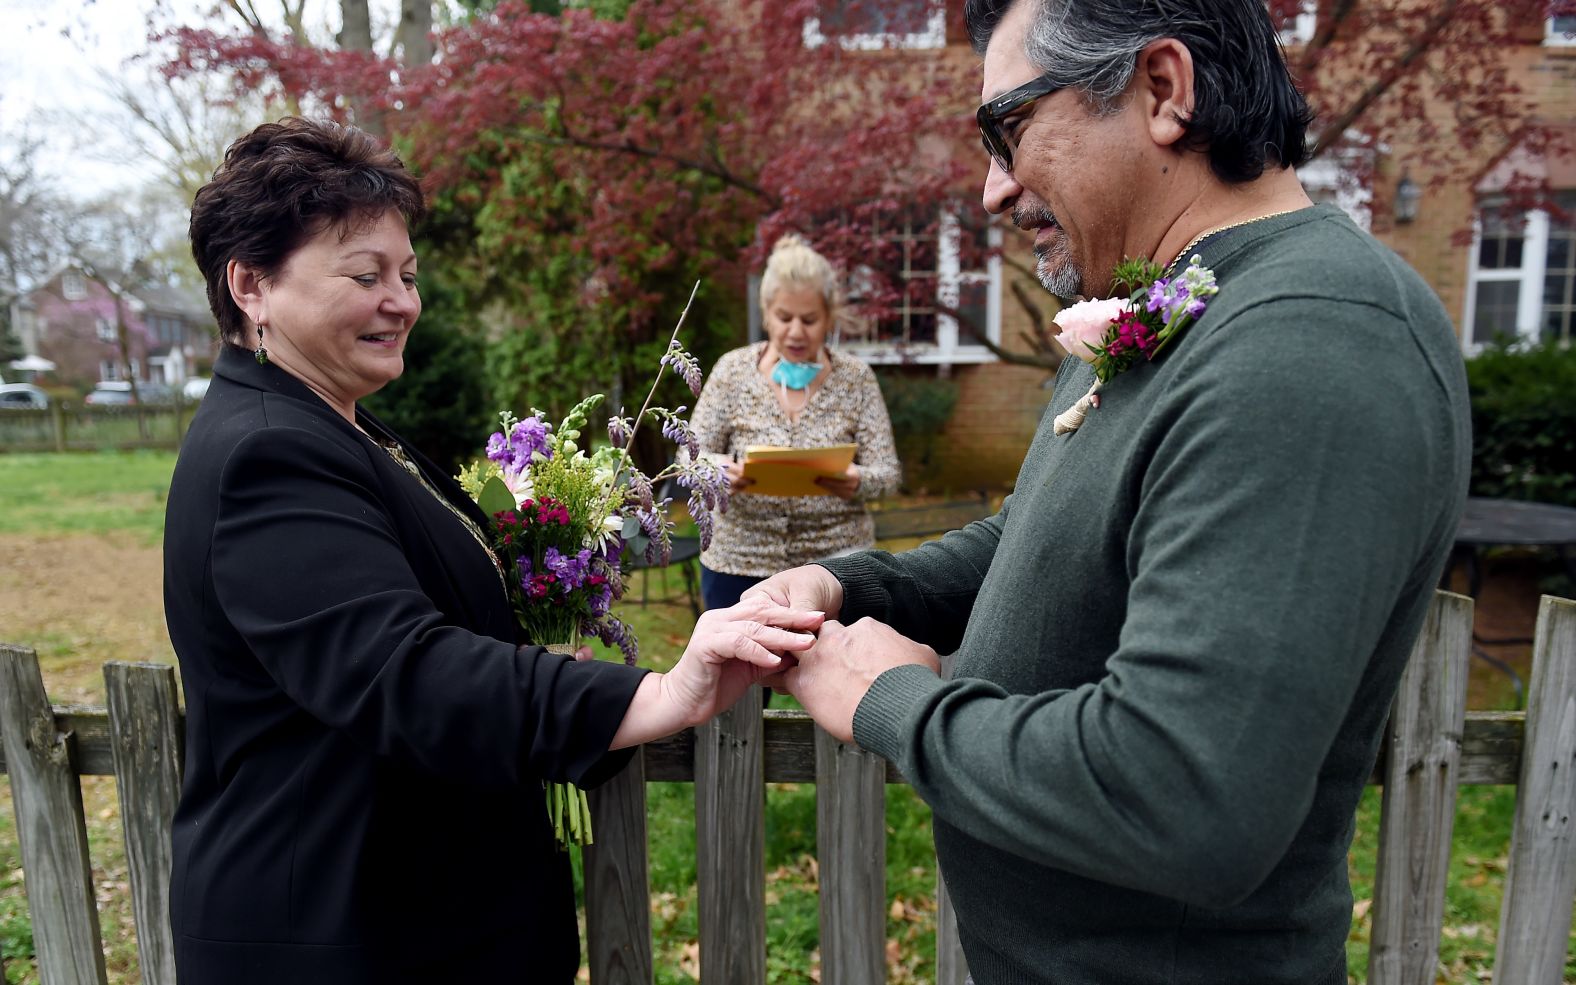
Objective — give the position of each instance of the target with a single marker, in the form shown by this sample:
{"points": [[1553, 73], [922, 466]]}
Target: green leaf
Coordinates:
{"points": [[495, 497]]}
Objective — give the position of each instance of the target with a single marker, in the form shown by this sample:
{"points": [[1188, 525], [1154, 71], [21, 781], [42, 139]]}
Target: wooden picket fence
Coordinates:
{"points": [[1432, 745]]}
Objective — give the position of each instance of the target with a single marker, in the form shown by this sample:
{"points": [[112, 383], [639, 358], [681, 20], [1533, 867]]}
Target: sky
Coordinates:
{"points": [[50, 54]]}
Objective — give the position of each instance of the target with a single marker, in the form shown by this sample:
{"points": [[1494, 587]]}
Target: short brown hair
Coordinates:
{"points": [[282, 184]]}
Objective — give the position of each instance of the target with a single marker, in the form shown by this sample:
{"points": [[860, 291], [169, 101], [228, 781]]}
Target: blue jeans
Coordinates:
{"points": [[718, 589]]}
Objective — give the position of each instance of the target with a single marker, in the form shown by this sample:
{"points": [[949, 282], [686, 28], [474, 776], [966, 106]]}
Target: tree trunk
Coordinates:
{"points": [[414, 38], [356, 34]]}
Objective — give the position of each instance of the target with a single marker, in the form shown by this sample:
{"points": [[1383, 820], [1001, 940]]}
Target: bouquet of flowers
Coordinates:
{"points": [[1113, 333], [562, 519]]}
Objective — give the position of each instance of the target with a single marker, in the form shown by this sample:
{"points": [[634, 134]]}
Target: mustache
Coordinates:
{"points": [[1031, 216]]}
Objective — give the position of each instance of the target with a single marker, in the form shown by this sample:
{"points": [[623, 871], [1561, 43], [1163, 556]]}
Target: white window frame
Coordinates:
{"points": [[933, 36], [1529, 294], [104, 330], [1556, 35], [950, 277], [72, 286], [109, 370], [1302, 29]]}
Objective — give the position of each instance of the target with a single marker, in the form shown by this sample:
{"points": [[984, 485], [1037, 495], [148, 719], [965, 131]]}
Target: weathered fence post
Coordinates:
{"points": [[1421, 772], [1535, 919], [618, 889], [730, 844], [850, 824], [147, 742], [57, 415], [951, 969], [50, 828]]}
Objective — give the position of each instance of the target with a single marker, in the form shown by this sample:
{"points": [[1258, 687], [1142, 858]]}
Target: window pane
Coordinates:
{"points": [[1560, 252], [973, 239], [1557, 324], [974, 308], [844, 17], [1495, 312], [1512, 257], [1503, 234], [1556, 290]]}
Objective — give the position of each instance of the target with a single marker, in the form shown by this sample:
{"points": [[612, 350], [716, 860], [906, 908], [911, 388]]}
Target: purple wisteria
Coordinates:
{"points": [[677, 430], [684, 364]]}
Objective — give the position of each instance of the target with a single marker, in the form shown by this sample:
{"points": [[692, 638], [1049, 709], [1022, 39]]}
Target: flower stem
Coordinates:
{"points": [[661, 367]]}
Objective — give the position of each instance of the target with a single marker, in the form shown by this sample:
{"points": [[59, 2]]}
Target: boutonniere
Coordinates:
{"points": [[1113, 333]]}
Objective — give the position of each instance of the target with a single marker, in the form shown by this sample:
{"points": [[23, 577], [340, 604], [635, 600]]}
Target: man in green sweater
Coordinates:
{"points": [[1176, 644]]}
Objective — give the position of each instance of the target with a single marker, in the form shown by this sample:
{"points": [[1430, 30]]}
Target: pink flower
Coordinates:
{"points": [[1084, 324]]}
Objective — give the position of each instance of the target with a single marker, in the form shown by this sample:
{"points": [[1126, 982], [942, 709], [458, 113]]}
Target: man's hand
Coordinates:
{"points": [[844, 486], [730, 650], [810, 588], [831, 678]]}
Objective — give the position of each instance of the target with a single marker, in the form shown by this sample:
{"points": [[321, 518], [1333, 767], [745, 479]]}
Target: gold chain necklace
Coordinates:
{"points": [[1220, 229]]}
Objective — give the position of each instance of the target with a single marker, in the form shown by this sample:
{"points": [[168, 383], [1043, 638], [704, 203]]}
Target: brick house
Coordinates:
{"points": [[71, 320], [1513, 276]]}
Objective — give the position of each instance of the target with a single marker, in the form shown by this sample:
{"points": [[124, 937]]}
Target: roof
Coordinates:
{"points": [[175, 300]]}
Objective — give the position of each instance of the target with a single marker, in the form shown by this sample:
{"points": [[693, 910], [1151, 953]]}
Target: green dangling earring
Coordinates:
{"points": [[262, 353]]}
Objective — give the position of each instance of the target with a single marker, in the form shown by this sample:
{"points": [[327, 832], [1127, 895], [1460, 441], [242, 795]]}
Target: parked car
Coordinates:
{"points": [[117, 393], [195, 388], [22, 396]]}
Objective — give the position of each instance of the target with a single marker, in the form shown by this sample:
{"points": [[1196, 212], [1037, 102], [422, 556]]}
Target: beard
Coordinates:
{"points": [[1053, 262]]}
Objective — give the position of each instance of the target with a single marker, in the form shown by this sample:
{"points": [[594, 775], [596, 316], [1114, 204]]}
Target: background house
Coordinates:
{"points": [[73, 318], [1476, 234]]}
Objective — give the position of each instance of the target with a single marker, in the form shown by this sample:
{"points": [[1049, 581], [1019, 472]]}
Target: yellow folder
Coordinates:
{"points": [[781, 471]]}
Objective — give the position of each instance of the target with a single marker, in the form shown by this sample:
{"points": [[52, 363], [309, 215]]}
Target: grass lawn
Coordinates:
{"points": [[79, 582]]}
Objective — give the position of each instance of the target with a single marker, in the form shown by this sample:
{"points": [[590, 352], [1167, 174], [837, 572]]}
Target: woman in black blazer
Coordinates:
{"points": [[366, 736]]}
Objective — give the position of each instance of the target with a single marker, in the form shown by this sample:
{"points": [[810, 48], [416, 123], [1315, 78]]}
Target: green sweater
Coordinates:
{"points": [[1177, 643]]}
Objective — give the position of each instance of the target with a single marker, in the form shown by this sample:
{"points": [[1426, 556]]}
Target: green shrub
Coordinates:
{"points": [[439, 404], [1524, 423], [920, 406]]}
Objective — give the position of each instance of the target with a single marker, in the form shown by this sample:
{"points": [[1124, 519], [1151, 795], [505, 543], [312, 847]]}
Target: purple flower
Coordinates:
{"points": [[618, 429], [685, 365], [702, 516], [513, 451], [571, 569], [677, 430], [641, 487], [614, 633]]}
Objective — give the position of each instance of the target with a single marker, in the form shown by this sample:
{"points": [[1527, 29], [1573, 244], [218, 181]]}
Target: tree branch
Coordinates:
{"points": [[630, 147], [1320, 42], [1420, 45]]}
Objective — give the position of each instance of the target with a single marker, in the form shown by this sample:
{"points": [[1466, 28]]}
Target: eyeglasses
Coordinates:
{"points": [[992, 117]]}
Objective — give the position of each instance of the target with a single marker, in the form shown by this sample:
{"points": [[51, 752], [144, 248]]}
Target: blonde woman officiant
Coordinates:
{"points": [[792, 390]]}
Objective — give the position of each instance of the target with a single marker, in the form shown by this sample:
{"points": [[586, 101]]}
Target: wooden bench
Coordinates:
{"points": [[1432, 744]]}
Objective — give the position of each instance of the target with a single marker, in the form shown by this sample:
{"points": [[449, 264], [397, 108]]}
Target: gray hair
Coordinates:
{"points": [[1247, 113]]}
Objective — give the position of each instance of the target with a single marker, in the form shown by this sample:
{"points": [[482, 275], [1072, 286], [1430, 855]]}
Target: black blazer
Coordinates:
{"points": [[365, 744]]}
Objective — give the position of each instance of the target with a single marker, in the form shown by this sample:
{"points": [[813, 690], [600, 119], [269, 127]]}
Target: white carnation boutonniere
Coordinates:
{"points": [[1112, 334]]}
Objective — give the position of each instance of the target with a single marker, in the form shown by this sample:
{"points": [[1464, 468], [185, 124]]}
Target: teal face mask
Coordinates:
{"points": [[794, 376]]}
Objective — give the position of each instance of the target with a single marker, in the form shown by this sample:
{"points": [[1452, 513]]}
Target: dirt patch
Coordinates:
{"points": [[81, 600]]}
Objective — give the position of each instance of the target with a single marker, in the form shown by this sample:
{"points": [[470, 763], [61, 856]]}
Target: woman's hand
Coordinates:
{"points": [[844, 486], [736, 480], [730, 650]]}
